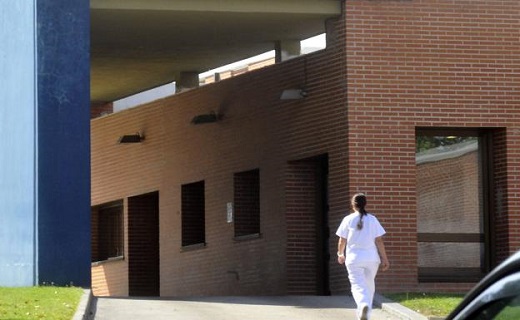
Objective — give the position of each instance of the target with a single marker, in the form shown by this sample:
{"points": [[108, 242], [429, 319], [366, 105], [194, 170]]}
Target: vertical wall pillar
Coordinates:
{"points": [[187, 80], [17, 143], [63, 87], [287, 49]]}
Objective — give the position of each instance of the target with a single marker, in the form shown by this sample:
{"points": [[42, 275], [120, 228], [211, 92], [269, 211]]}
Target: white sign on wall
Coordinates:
{"points": [[230, 212]]}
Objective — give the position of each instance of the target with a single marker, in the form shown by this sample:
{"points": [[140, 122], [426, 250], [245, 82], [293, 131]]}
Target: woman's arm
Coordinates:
{"points": [[342, 243], [382, 253]]}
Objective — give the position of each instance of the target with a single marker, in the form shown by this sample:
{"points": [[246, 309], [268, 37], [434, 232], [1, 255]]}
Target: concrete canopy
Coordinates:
{"points": [[140, 44]]}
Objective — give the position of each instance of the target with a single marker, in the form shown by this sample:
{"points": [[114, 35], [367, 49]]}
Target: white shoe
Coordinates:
{"points": [[364, 313]]}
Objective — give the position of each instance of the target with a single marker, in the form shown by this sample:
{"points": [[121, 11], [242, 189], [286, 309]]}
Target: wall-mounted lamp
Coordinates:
{"points": [[131, 138], [293, 94], [206, 118]]}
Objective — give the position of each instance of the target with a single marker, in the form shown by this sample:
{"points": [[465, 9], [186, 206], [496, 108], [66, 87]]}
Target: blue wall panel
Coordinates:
{"points": [[17, 143], [63, 32]]}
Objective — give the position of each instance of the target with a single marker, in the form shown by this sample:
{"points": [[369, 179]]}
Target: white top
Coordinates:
{"points": [[361, 245]]}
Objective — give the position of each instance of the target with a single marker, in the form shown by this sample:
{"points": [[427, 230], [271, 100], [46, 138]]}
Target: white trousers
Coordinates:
{"points": [[362, 281]]}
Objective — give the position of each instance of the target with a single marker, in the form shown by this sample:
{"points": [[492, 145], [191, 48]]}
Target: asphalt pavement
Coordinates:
{"points": [[240, 308]]}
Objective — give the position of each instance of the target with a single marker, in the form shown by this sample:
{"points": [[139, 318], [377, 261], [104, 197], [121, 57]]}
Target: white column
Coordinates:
{"points": [[17, 144]]}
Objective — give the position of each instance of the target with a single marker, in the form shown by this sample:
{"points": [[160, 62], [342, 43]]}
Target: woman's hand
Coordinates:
{"points": [[342, 243], [385, 265]]}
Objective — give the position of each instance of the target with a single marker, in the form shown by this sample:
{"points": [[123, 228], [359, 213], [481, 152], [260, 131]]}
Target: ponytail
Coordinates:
{"points": [[359, 201]]}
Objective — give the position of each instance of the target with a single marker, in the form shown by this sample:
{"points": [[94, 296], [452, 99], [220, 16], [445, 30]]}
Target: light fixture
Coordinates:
{"points": [[206, 118], [293, 94], [131, 138]]}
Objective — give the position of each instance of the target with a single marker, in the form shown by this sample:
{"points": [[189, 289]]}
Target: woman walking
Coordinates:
{"points": [[361, 249]]}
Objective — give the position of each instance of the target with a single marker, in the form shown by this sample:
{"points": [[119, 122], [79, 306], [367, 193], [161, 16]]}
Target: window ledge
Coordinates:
{"points": [[247, 237], [193, 247], [113, 259]]}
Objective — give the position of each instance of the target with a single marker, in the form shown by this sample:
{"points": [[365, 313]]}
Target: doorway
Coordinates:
{"points": [[307, 222], [143, 245]]}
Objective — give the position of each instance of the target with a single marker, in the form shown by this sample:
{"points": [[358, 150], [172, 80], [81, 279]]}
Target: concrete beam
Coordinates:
{"points": [[319, 7]]}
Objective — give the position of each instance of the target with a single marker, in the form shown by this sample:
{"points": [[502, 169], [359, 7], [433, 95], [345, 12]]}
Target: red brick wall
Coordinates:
{"points": [[110, 278], [258, 130], [427, 63]]}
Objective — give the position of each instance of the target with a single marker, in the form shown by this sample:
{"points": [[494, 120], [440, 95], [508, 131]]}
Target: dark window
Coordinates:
{"points": [[452, 205], [247, 203], [107, 231], [193, 214]]}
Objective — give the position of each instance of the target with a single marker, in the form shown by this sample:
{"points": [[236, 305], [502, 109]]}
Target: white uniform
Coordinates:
{"points": [[361, 257]]}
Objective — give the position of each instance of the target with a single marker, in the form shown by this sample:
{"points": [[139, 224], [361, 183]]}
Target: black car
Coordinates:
{"points": [[497, 296]]}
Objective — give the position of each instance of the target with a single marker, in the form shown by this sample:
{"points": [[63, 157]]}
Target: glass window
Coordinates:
{"points": [[107, 231], [450, 206]]}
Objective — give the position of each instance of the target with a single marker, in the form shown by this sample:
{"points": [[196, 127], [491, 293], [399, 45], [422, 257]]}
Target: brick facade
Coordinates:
{"points": [[390, 67], [429, 63]]}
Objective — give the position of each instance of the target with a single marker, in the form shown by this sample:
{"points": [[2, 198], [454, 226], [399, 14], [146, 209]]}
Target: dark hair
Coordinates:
{"points": [[359, 201]]}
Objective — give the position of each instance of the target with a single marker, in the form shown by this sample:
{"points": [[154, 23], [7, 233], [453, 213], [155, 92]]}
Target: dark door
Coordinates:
{"points": [[307, 222], [143, 245]]}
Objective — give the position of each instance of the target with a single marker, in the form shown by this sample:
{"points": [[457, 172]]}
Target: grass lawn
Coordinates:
{"points": [[57, 303], [428, 304]]}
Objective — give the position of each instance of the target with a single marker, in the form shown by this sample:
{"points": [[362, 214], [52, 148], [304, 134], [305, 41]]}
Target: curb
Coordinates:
{"points": [[84, 310], [397, 309]]}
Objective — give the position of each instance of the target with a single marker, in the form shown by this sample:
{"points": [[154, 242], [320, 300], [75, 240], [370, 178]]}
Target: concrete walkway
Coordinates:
{"points": [[236, 308]]}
